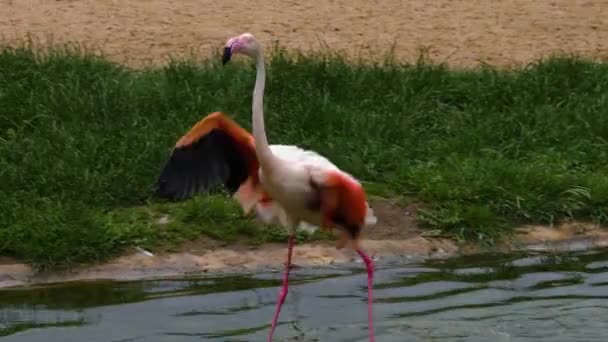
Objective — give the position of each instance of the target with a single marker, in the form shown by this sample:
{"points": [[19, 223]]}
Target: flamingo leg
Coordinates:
{"points": [[369, 264], [285, 287]]}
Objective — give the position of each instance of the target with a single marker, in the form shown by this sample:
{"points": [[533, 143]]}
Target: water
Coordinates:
{"points": [[483, 298]]}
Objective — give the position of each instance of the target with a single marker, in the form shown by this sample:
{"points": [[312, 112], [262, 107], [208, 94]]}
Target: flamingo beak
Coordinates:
{"points": [[227, 54]]}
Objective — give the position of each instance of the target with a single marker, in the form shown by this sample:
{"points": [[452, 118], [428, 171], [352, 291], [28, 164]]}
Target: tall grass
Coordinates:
{"points": [[481, 149]]}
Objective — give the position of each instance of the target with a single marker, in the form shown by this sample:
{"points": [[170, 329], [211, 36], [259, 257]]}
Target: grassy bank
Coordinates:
{"points": [[82, 139]]}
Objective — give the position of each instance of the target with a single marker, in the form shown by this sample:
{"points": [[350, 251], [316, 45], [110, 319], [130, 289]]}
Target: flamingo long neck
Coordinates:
{"points": [[267, 159]]}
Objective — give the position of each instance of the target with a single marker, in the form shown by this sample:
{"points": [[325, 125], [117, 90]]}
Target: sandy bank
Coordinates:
{"points": [[138, 265], [461, 33]]}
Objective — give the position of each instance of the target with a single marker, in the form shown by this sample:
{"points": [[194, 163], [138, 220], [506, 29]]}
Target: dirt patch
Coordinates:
{"points": [[395, 233], [395, 236], [461, 32], [394, 221]]}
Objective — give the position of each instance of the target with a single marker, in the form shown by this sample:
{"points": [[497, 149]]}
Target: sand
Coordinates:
{"points": [[461, 33]]}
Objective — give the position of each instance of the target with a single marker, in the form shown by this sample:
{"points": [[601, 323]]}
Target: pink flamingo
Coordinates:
{"points": [[281, 182]]}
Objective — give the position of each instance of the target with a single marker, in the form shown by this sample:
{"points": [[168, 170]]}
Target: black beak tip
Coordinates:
{"points": [[226, 56]]}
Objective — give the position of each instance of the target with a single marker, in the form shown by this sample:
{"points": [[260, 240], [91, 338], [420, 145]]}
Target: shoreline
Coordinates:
{"points": [[139, 265]]}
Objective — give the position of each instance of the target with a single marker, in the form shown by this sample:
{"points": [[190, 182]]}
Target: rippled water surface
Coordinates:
{"points": [[482, 298]]}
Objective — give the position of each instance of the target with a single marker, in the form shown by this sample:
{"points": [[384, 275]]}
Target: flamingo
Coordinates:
{"points": [[280, 182]]}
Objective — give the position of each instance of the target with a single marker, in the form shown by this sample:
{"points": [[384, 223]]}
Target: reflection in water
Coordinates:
{"points": [[482, 298]]}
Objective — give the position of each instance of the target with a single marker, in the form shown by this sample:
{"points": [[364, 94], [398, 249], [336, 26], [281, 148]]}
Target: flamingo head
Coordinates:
{"points": [[245, 44]]}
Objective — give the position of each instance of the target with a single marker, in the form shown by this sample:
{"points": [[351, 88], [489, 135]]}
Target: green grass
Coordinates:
{"points": [[82, 140]]}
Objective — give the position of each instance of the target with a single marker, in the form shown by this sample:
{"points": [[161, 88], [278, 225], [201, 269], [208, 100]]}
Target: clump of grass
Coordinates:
{"points": [[170, 224], [82, 138]]}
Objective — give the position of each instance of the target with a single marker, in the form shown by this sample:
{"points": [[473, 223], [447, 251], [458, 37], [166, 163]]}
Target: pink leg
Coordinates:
{"points": [[285, 287], [369, 263]]}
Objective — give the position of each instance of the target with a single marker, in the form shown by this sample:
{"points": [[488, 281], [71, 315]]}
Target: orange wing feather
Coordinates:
{"points": [[343, 203], [219, 120]]}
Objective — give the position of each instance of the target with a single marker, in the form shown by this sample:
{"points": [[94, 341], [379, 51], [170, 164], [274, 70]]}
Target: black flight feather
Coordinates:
{"points": [[211, 161]]}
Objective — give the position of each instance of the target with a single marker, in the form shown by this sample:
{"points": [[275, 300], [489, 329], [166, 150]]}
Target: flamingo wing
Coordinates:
{"points": [[216, 151]]}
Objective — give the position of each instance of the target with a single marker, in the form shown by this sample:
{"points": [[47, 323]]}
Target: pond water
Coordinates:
{"points": [[482, 298]]}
